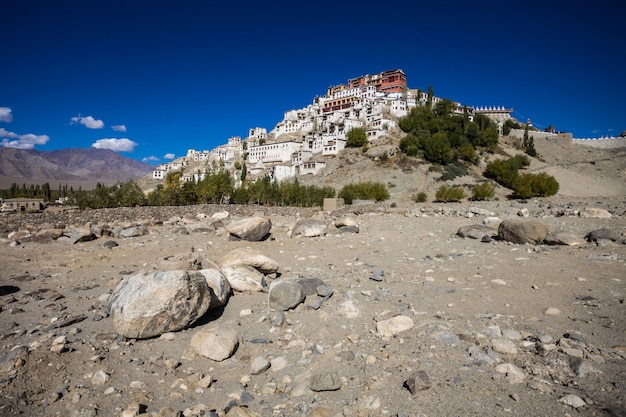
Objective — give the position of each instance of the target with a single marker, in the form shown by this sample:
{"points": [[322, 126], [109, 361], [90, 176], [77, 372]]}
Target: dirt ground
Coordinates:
{"points": [[499, 329]]}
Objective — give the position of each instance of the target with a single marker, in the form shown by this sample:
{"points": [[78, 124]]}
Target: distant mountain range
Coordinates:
{"points": [[75, 167]]}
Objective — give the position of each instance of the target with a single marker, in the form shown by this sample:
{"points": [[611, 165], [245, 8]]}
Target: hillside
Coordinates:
{"points": [[581, 171], [75, 167]]}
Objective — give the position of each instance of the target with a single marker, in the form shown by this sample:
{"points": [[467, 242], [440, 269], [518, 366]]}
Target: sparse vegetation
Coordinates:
{"points": [[420, 197], [364, 191], [447, 194]]}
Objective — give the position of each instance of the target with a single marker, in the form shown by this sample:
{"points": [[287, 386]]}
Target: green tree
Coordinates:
{"points": [[356, 137], [437, 148]]}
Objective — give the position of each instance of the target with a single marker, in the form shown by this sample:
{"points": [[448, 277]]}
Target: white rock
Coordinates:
{"points": [[513, 374], [394, 325], [572, 400]]}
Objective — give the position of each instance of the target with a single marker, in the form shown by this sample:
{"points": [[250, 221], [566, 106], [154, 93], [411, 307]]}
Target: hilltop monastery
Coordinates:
{"points": [[297, 145]]}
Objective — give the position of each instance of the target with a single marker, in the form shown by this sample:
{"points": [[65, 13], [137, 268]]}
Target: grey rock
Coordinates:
{"points": [[259, 365], [604, 234], [522, 232], [324, 291], [219, 287], [573, 401], [83, 234], [582, 368], [563, 238], [325, 381], [285, 294], [151, 303], [476, 231], [109, 244], [418, 381], [309, 228], [348, 229], [134, 231], [252, 229], [310, 285]]}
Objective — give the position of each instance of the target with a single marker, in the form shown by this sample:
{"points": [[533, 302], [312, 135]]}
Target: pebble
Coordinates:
{"points": [[552, 311]]}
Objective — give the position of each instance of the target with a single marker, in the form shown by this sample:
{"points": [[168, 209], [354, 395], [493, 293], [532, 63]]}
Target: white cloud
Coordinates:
{"points": [[117, 145], [150, 159], [119, 128], [88, 122], [5, 115], [27, 141], [169, 156]]}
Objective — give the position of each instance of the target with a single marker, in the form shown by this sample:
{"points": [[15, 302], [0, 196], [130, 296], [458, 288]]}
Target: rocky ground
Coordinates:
{"points": [[403, 318]]}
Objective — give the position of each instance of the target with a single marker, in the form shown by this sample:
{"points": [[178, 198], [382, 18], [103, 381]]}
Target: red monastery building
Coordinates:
{"points": [[393, 81]]}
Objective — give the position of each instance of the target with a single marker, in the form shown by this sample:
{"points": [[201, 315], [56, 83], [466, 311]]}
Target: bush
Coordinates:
{"points": [[420, 197], [483, 191], [410, 145], [535, 185], [356, 138], [504, 172], [364, 191], [445, 193], [453, 170]]}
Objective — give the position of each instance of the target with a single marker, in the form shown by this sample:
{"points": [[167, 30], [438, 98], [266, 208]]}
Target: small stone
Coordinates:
{"points": [[513, 374], [285, 294], [325, 381], [100, 377], [393, 326], [572, 400], [215, 343], [259, 365], [552, 311], [503, 346], [418, 381]]}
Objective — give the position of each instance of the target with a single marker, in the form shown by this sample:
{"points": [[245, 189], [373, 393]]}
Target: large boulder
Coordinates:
{"points": [[595, 213], [244, 278], [521, 232], [152, 303], [476, 231], [563, 238], [309, 228], [605, 234], [252, 229], [249, 257], [219, 287]]}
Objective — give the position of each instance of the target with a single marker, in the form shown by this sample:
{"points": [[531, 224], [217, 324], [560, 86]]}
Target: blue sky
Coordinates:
{"points": [[151, 79]]}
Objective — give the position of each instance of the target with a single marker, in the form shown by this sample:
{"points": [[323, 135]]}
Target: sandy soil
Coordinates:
{"points": [[499, 329]]}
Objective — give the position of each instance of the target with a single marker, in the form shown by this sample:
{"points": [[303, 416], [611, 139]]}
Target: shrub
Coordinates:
{"points": [[453, 170], [420, 197], [364, 191], [410, 145], [483, 191], [356, 138], [535, 185], [504, 172], [445, 193]]}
